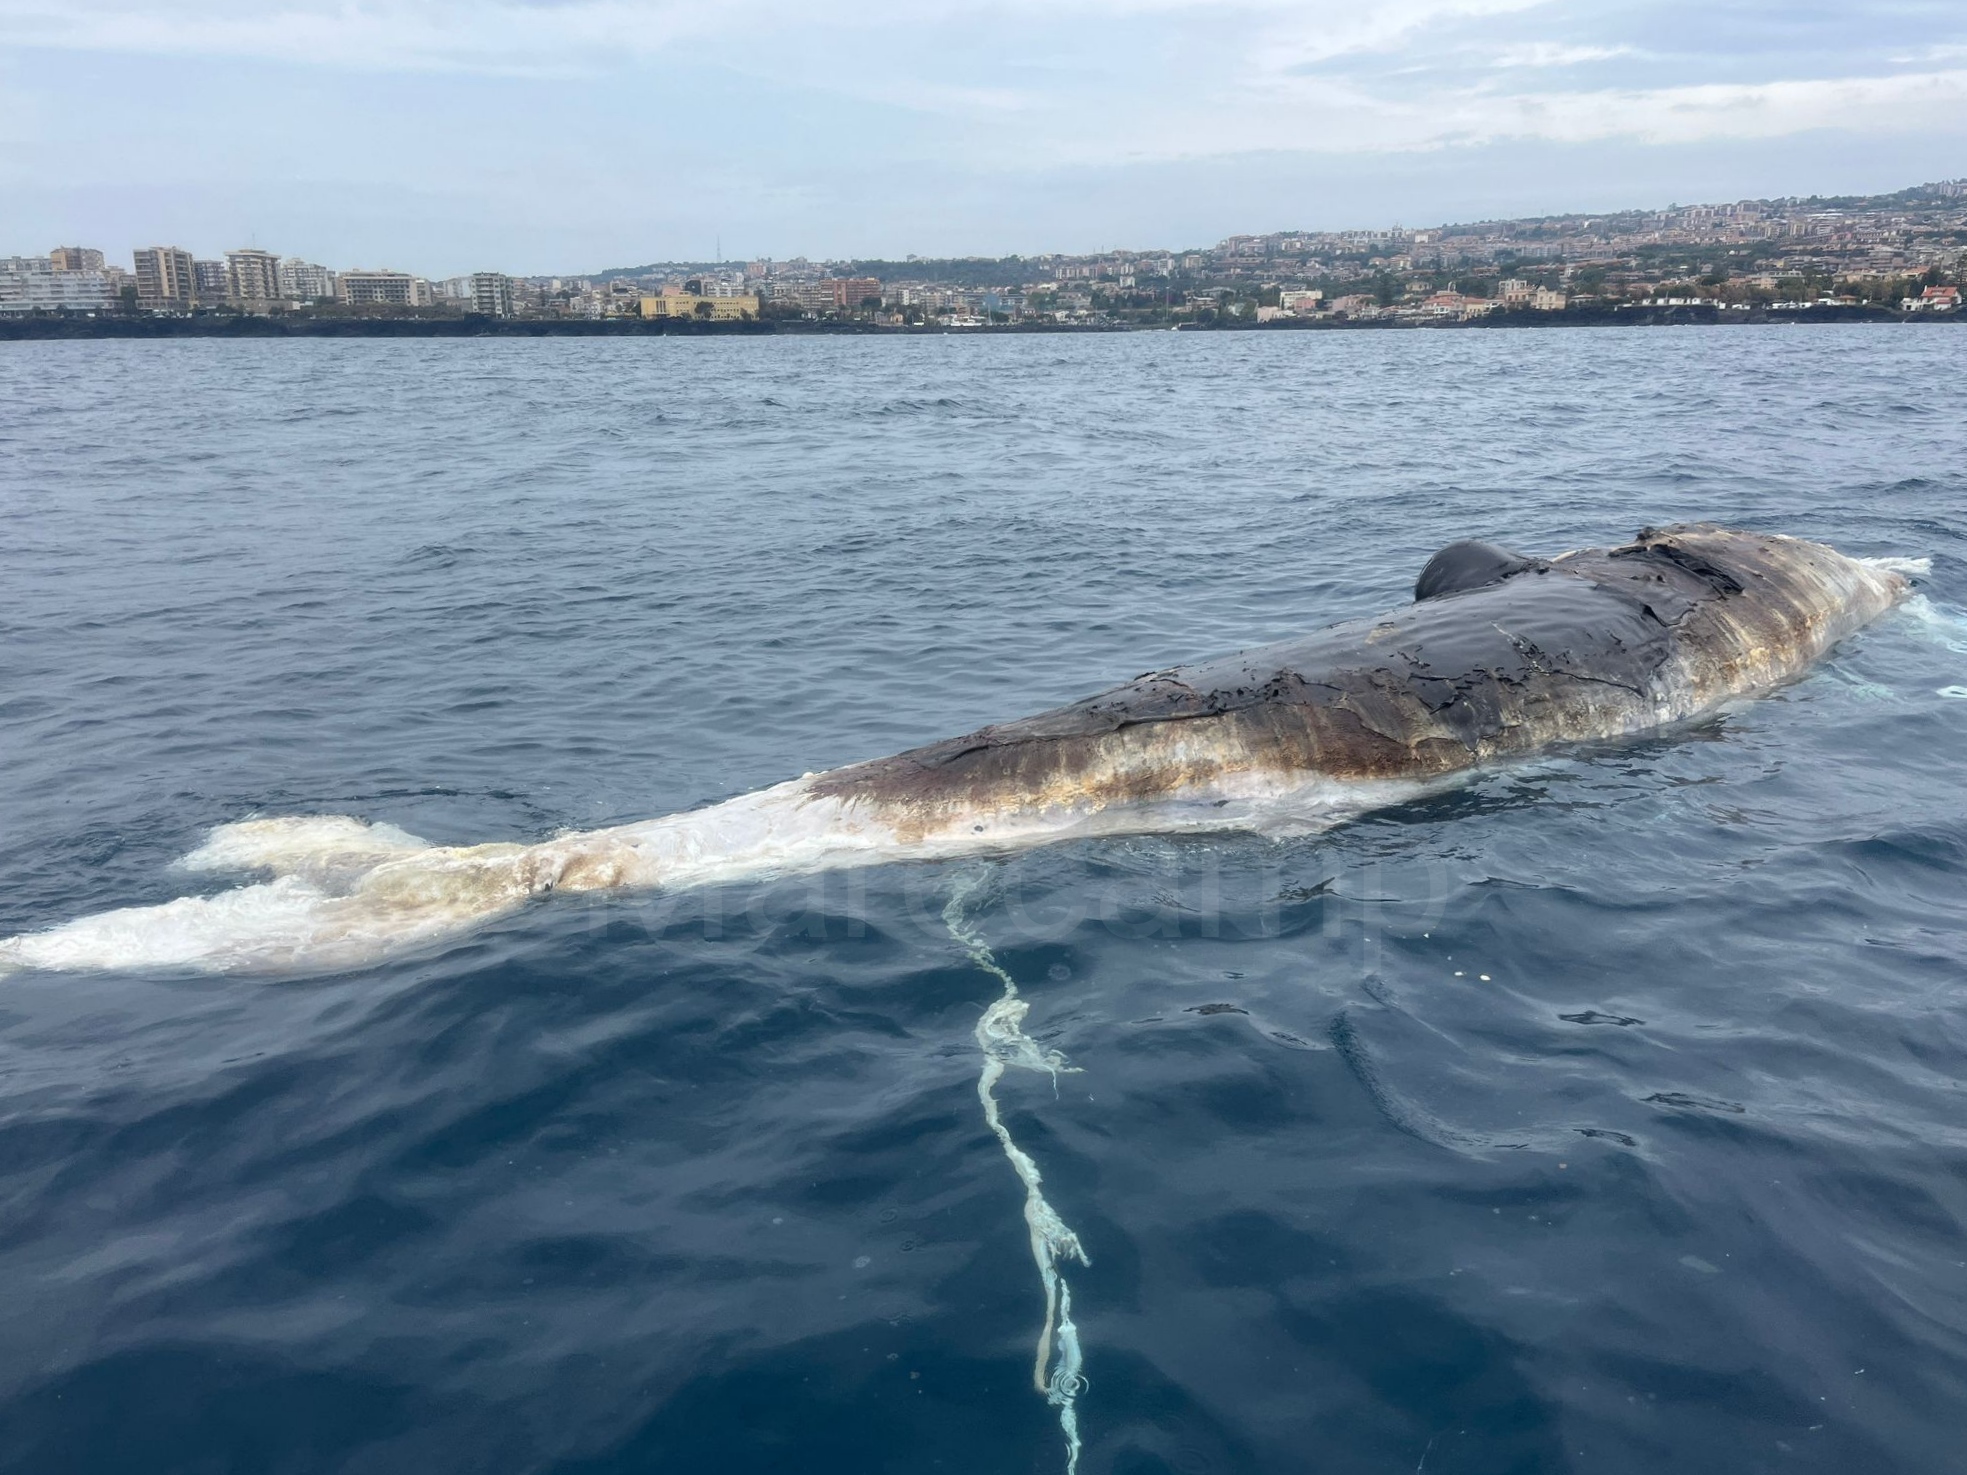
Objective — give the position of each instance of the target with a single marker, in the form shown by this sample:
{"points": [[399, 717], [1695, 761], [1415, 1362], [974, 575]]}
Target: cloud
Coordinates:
{"points": [[1763, 110], [1555, 54], [498, 38], [1325, 116], [1313, 36], [987, 57], [511, 34], [750, 111]]}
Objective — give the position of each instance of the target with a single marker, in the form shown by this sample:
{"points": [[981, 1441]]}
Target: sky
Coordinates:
{"points": [[568, 136]]}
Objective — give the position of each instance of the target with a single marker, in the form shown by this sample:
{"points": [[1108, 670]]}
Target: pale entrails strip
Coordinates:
{"points": [[1001, 1038]]}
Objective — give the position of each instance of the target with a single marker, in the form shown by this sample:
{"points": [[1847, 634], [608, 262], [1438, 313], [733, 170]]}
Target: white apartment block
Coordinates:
{"points": [[252, 276], [303, 281], [491, 294], [383, 289], [808, 296], [33, 284]]}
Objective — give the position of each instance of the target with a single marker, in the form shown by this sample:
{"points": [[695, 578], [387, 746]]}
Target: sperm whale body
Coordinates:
{"points": [[1499, 656]]}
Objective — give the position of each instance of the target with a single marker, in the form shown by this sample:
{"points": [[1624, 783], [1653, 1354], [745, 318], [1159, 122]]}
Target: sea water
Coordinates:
{"points": [[1604, 1114]]}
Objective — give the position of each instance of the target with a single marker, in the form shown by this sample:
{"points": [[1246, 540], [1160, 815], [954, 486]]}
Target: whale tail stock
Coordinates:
{"points": [[343, 892]]}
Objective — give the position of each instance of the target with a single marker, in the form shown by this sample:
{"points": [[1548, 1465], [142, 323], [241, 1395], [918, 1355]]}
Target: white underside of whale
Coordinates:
{"points": [[344, 892]]}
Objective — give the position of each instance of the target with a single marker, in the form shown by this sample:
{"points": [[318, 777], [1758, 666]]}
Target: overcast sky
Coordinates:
{"points": [[570, 135]]}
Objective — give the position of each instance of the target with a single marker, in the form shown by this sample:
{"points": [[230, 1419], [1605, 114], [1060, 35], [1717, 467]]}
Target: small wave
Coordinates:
{"points": [[1682, 1101], [1947, 627], [438, 555], [1912, 568]]}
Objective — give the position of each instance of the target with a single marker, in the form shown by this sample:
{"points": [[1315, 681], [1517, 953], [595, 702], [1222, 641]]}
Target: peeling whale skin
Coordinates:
{"points": [[1499, 656]]}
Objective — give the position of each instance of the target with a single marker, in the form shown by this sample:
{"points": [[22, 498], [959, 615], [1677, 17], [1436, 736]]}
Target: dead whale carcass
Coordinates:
{"points": [[1499, 656]]}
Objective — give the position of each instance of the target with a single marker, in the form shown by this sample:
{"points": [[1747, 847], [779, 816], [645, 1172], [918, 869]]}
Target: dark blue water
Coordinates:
{"points": [[1607, 1116]]}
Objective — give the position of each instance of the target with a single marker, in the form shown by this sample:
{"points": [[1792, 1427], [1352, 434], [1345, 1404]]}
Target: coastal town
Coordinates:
{"points": [[1902, 254]]}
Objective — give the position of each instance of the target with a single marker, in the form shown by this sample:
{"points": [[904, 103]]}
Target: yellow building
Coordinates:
{"points": [[685, 305]]}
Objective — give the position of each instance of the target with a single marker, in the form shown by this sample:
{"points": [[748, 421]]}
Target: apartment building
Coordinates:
{"points": [[252, 277], [76, 258], [303, 281], [491, 294], [807, 296], [383, 289], [33, 284], [851, 292], [167, 279], [830, 294]]}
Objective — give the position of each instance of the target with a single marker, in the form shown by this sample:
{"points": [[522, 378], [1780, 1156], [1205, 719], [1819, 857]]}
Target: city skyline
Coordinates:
{"points": [[575, 136], [1905, 250], [1564, 222]]}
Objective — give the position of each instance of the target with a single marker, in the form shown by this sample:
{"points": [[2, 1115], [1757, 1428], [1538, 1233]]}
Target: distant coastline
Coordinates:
{"points": [[52, 326], [1858, 258]]}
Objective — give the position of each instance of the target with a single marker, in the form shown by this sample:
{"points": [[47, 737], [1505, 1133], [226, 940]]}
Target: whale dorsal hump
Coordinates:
{"points": [[1469, 565]]}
